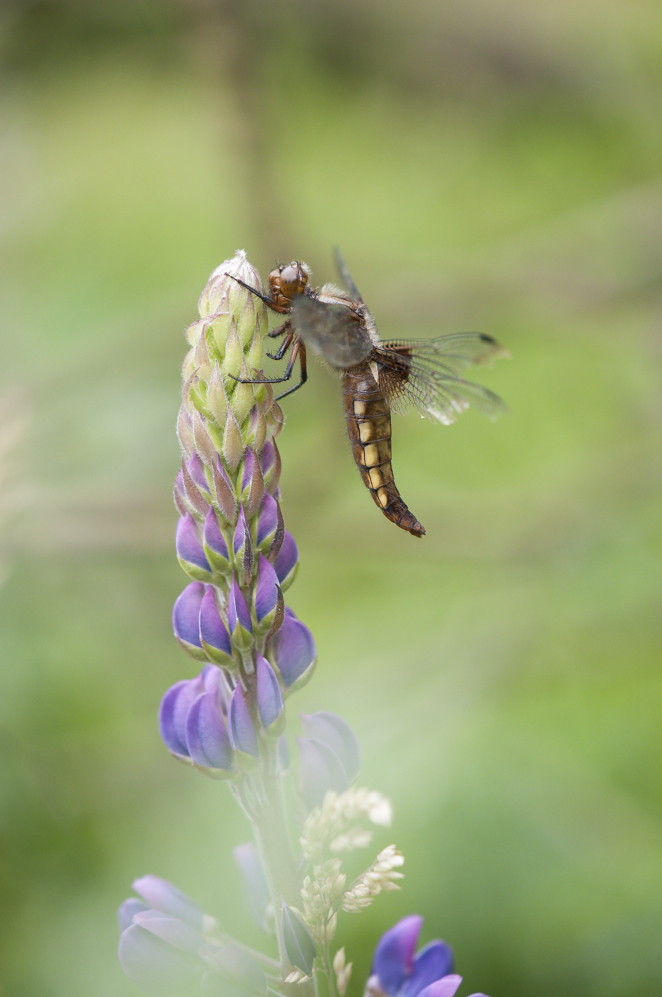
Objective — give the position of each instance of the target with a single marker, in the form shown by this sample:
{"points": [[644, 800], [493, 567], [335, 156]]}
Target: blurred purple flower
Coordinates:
{"points": [[397, 972], [192, 722], [240, 725], [269, 698]]}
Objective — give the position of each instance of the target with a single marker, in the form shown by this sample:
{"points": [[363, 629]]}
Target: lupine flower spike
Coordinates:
{"points": [[228, 721]]}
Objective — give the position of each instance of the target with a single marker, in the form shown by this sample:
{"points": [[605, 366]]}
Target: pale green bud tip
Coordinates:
{"points": [[223, 295]]}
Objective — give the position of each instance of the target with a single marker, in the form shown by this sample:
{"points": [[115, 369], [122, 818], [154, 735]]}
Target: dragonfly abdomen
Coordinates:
{"points": [[369, 429]]}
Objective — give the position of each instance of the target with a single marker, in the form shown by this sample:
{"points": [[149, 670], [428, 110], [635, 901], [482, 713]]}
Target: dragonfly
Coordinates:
{"points": [[378, 377]]}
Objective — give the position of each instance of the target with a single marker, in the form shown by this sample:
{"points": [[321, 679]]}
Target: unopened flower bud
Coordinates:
{"points": [[196, 469], [190, 552], [271, 466], [298, 942], [287, 561], [267, 522], [214, 636], [320, 770], [267, 595], [186, 620], [224, 492], [214, 545], [292, 651], [243, 548], [239, 619], [269, 698], [241, 729], [336, 733], [163, 896]]}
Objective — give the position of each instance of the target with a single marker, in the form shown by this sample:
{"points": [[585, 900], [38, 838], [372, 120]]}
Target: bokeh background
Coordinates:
{"points": [[490, 164]]}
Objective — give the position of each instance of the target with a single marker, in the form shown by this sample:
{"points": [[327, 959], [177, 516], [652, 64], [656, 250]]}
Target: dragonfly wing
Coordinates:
{"points": [[454, 353], [430, 381], [346, 275], [334, 332]]}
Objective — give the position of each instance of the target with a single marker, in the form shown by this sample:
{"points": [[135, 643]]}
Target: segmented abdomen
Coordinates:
{"points": [[369, 429]]}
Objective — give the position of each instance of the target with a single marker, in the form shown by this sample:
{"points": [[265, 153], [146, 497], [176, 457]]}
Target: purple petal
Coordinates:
{"points": [[171, 929], [320, 769], [212, 629], [268, 518], [173, 711], [212, 536], [266, 592], [267, 457], [127, 910], [195, 468], [237, 609], [240, 725], [445, 987], [188, 545], [212, 678], [430, 964], [394, 955], [241, 532], [269, 696], [206, 734], [287, 558], [339, 736], [154, 965], [256, 889], [163, 896], [249, 461], [186, 612], [293, 648]]}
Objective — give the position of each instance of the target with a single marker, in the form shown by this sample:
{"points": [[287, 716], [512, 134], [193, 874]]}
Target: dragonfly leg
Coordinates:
{"points": [[281, 330], [283, 348], [269, 302], [301, 350], [275, 380]]}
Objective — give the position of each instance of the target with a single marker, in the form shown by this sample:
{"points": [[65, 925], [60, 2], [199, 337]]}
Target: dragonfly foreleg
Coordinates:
{"points": [[277, 380], [269, 302]]}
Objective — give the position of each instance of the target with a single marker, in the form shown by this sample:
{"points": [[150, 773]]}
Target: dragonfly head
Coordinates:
{"points": [[287, 281]]}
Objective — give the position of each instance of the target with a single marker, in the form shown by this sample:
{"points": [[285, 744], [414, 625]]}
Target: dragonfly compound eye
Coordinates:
{"points": [[293, 279]]}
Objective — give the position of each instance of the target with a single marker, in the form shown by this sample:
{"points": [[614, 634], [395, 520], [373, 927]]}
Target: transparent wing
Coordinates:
{"points": [[346, 276], [335, 332], [419, 373]]}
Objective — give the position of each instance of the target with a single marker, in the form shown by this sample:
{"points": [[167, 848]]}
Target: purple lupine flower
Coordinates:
{"points": [[185, 620], [267, 591], [196, 469], [397, 972], [214, 636], [254, 884], [173, 712], [192, 722], [214, 545], [239, 619], [293, 652], [240, 727], [190, 552], [162, 895], [207, 737], [337, 735], [270, 704], [267, 522], [287, 561], [159, 953]]}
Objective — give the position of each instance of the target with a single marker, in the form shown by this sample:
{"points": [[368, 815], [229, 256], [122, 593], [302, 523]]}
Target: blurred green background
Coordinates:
{"points": [[489, 164]]}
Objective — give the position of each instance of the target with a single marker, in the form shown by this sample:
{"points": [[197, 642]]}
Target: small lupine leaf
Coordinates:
{"points": [[298, 942]]}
